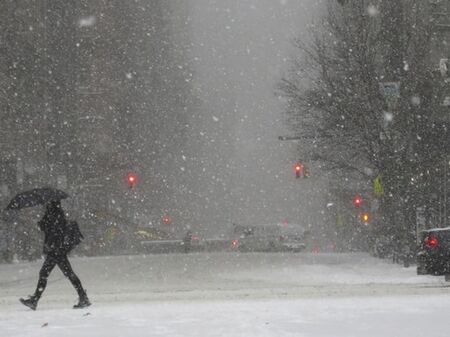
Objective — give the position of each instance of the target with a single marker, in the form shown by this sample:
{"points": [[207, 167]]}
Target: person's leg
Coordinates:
{"points": [[66, 268], [44, 273]]}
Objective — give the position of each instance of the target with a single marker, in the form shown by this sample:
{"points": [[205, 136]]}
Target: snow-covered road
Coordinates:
{"points": [[229, 294]]}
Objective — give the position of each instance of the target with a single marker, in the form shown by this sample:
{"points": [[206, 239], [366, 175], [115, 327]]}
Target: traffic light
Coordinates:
{"points": [[306, 173], [131, 180], [365, 217], [298, 168], [357, 201], [166, 219]]}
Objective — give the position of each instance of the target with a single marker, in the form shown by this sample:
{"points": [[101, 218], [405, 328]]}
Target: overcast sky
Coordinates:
{"points": [[241, 49]]}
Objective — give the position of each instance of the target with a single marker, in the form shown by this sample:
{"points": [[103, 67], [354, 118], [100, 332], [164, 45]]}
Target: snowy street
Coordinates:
{"points": [[228, 294], [194, 166]]}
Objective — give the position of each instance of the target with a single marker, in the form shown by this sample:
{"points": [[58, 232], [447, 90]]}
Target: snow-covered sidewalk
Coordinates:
{"points": [[227, 294], [342, 317]]}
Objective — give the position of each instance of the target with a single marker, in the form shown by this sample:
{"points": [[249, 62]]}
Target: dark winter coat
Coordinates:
{"points": [[53, 224]]}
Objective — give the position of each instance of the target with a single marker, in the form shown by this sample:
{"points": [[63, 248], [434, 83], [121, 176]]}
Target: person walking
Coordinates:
{"points": [[187, 241], [54, 226]]}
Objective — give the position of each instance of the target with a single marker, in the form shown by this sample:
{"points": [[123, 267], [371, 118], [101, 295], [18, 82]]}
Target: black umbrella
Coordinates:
{"points": [[37, 196]]}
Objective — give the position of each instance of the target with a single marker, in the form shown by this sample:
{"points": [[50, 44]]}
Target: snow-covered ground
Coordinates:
{"points": [[229, 294]]}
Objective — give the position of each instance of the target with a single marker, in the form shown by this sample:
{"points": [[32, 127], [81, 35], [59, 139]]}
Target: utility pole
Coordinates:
{"points": [[444, 222]]}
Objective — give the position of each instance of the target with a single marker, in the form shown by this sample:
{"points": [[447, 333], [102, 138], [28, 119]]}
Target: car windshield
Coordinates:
{"points": [[224, 167]]}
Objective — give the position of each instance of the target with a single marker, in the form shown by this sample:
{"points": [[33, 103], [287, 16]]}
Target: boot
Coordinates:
{"points": [[30, 302], [83, 302]]}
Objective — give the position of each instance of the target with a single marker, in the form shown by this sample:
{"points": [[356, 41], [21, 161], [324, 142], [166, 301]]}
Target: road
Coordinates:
{"points": [[172, 291]]}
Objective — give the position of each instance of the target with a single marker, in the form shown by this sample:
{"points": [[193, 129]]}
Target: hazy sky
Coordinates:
{"points": [[241, 49]]}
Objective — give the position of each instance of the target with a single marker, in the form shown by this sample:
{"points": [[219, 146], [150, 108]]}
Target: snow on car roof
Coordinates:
{"points": [[437, 229]]}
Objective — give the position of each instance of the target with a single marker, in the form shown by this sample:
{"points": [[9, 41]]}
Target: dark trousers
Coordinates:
{"points": [[51, 260]]}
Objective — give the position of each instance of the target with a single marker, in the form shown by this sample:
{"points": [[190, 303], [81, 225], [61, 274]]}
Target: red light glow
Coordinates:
{"points": [[315, 250], [431, 241], [357, 201], [131, 179]]}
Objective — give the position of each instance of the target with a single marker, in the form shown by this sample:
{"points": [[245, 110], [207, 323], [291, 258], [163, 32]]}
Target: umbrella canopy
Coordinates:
{"points": [[37, 196]]}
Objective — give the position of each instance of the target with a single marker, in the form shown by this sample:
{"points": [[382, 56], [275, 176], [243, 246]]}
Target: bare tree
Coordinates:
{"points": [[337, 99]]}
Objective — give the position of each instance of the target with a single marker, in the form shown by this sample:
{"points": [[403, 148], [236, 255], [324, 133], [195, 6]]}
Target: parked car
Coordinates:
{"points": [[293, 237], [271, 237], [434, 253], [191, 242]]}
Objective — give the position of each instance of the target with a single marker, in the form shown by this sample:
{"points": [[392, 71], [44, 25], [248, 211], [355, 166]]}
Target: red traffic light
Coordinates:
{"points": [[298, 168], [357, 201], [131, 179], [167, 220]]}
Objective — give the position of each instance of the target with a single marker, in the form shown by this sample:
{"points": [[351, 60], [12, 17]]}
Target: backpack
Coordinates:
{"points": [[72, 235]]}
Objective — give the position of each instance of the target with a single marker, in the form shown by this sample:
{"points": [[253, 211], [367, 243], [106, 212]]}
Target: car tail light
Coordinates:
{"points": [[234, 243], [431, 241]]}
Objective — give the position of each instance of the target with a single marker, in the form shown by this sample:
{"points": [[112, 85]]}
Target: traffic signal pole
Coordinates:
{"points": [[300, 169]]}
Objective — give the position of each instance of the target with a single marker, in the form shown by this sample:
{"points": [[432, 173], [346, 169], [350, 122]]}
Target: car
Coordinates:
{"points": [[433, 257], [191, 242], [293, 237], [269, 238]]}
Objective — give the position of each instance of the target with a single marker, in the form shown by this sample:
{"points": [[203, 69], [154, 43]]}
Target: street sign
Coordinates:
{"points": [[390, 89], [378, 188], [391, 93]]}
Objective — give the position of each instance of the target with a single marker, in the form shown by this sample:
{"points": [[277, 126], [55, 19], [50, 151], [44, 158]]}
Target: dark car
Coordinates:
{"points": [[434, 253], [191, 242]]}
